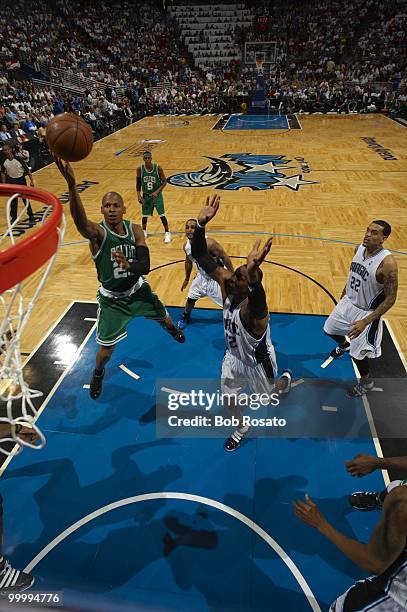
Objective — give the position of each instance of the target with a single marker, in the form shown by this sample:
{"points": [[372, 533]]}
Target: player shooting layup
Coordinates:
{"points": [[121, 257]]}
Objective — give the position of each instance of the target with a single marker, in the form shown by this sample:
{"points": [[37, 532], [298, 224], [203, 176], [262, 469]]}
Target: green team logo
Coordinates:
{"points": [[128, 250]]}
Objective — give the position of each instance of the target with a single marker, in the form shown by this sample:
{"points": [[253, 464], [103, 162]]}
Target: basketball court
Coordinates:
{"points": [[117, 517]]}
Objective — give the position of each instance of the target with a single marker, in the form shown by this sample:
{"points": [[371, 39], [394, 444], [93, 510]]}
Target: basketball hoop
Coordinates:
{"points": [[259, 64], [259, 59], [18, 261]]}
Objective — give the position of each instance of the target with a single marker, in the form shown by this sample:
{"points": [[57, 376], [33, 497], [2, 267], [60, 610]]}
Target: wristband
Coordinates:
{"points": [[199, 225]]}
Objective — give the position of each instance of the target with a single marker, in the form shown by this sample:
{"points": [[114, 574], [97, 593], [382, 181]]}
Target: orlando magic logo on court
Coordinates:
{"points": [[236, 170]]}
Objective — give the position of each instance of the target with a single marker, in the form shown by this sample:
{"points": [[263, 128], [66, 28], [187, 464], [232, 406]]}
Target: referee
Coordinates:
{"points": [[13, 170]]}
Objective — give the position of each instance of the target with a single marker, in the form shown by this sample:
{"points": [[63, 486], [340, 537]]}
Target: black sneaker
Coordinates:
{"points": [[177, 334], [360, 389], [364, 500], [338, 352], [95, 387], [14, 580], [235, 439]]}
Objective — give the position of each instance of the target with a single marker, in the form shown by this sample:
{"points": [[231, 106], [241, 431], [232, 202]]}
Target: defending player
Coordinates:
{"points": [[250, 359], [370, 291], [384, 556], [202, 285], [121, 257], [151, 180]]}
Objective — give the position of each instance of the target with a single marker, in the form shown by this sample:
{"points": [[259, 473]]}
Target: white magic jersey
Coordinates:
{"points": [[241, 345], [362, 288], [187, 249]]}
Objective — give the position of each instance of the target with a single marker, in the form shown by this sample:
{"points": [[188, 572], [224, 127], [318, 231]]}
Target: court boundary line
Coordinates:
{"points": [[188, 497], [396, 343], [372, 427], [49, 332]]}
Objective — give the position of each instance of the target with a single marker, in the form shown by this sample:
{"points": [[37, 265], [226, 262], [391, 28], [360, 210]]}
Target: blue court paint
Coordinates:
{"points": [[257, 122], [178, 554]]}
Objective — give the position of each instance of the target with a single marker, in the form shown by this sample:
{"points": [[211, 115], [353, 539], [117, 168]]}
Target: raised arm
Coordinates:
{"points": [[87, 228], [254, 312], [199, 247]]}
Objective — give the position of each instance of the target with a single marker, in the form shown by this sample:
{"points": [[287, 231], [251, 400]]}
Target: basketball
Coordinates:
{"points": [[69, 137]]}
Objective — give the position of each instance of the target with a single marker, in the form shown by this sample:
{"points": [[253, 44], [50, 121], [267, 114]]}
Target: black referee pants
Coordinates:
{"points": [[13, 208]]}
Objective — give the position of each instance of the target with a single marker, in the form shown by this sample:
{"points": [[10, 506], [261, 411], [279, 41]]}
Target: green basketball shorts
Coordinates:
{"points": [[114, 314], [147, 208]]}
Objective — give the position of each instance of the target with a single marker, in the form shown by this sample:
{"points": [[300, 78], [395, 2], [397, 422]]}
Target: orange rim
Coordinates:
{"points": [[20, 260]]}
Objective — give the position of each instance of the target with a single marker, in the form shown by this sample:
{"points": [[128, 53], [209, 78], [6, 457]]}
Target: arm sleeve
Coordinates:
{"points": [[199, 251], [257, 301], [138, 183], [142, 265]]}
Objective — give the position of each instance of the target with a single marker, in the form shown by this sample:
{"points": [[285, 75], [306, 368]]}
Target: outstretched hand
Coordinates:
{"points": [[66, 170], [361, 465], [308, 512], [209, 210], [256, 257]]}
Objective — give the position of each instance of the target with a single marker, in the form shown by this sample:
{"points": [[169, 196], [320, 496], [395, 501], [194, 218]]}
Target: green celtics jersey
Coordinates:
{"points": [[110, 275], [150, 180]]}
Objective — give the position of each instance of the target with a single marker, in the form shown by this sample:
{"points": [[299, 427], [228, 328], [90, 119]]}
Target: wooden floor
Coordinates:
{"points": [[353, 186]]}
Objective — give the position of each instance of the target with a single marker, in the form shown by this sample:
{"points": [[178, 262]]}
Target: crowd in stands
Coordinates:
{"points": [[341, 57]]}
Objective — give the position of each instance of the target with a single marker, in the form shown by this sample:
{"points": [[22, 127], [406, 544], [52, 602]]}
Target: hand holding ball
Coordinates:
{"points": [[69, 137]]}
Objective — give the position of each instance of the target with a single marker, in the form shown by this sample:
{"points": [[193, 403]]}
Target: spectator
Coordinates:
{"points": [[14, 171]]}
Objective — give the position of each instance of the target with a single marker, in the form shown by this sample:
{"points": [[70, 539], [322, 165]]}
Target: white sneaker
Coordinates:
{"points": [[145, 233], [167, 237]]}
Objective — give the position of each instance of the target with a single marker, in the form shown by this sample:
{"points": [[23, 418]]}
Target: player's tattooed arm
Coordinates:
{"points": [[87, 228], [389, 277]]}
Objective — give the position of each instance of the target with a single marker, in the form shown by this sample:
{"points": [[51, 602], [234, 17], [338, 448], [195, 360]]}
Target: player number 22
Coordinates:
{"points": [[355, 283]]}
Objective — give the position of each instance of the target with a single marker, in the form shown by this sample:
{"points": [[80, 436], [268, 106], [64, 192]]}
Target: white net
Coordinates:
{"points": [[19, 406]]}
